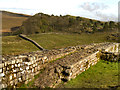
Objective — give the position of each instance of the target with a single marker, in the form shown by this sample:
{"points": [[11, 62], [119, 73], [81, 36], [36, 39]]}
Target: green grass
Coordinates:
{"points": [[101, 75], [15, 45]]}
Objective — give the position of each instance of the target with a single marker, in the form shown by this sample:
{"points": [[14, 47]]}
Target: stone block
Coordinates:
{"points": [[27, 67], [33, 69], [23, 78], [13, 61], [4, 69], [9, 62], [22, 56], [4, 86], [30, 58], [30, 80], [29, 71], [12, 66], [14, 70], [21, 69], [16, 65], [1, 75], [36, 64], [7, 72], [36, 69], [33, 65], [19, 79], [17, 61], [29, 63], [0, 70], [15, 75], [37, 72], [11, 83], [5, 63], [26, 82], [19, 74], [20, 60], [39, 67], [27, 77], [1, 65], [10, 77]]}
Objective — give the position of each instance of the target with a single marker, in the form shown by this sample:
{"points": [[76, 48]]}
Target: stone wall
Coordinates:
{"points": [[16, 70], [69, 67]]}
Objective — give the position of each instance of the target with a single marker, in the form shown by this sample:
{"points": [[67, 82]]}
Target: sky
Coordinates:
{"points": [[104, 10]]}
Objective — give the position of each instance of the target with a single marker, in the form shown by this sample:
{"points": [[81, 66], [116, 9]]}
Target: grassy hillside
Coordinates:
{"points": [[16, 45], [10, 20], [43, 23]]}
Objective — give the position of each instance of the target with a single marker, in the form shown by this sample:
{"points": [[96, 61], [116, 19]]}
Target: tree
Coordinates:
{"points": [[106, 26], [111, 24]]}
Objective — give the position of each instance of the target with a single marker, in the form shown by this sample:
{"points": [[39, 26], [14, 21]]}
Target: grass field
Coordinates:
{"points": [[102, 75], [15, 45]]}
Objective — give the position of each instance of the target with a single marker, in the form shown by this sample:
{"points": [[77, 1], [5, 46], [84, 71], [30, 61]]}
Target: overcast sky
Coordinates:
{"points": [[104, 10]]}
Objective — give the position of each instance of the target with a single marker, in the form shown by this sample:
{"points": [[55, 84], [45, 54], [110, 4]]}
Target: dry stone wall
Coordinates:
{"points": [[16, 70]]}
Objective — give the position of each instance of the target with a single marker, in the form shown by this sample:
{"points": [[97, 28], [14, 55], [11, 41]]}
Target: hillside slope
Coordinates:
{"points": [[10, 20], [42, 23]]}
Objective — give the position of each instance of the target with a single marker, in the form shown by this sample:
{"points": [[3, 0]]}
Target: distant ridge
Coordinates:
{"points": [[14, 14]]}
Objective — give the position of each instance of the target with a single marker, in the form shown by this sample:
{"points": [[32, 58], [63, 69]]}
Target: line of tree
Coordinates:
{"points": [[42, 23]]}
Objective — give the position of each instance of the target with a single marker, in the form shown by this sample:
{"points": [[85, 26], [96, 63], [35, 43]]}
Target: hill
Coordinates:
{"points": [[10, 20], [43, 23]]}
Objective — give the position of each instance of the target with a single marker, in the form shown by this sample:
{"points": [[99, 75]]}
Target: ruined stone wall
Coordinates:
{"points": [[16, 70], [69, 67]]}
